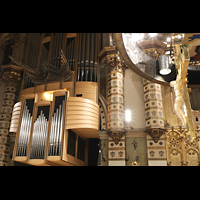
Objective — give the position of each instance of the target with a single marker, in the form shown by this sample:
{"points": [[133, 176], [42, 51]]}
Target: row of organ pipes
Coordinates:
{"points": [[56, 131], [87, 57], [39, 136], [24, 133], [40, 130], [87, 54]]}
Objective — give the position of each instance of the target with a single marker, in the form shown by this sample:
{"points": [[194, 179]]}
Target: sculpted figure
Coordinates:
{"points": [[178, 99], [182, 60]]}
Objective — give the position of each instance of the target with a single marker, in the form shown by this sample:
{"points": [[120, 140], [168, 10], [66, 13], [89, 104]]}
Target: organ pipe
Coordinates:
{"points": [[87, 54], [39, 135], [56, 127], [87, 49], [25, 128], [87, 57], [91, 49]]}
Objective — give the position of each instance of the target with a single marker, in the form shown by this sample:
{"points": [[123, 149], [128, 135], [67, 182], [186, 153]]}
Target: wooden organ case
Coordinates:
{"points": [[58, 109], [43, 137]]}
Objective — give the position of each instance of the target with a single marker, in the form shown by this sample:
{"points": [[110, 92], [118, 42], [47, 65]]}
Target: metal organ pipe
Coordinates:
{"points": [[39, 136], [70, 54], [72, 57], [56, 129], [24, 132], [83, 56], [95, 58], [87, 57], [79, 57]]}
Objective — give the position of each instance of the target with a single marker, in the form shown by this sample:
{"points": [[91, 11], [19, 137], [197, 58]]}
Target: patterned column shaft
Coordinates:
{"points": [[156, 142], [115, 101], [153, 109], [153, 105], [116, 98], [5, 117], [115, 127]]}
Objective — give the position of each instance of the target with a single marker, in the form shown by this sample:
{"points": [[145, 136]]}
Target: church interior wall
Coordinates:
{"points": [[136, 146]]}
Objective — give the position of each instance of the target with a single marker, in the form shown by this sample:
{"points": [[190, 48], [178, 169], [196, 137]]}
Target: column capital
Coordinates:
{"points": [[116, 64], [11, 74]]}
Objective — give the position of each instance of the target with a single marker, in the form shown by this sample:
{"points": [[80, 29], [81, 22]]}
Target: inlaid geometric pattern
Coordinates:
{"points": [[115, 101], [153, 105]]}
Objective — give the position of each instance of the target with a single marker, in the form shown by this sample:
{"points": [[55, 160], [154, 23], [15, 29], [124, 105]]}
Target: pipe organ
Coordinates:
{"points": [[46, 125], [45, 47], [58, 101], [39, 134]]}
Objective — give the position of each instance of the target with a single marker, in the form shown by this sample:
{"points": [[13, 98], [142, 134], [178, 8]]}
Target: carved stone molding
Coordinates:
{"points": [[8, 38], [116, 135], [11, 74], [180, 150], [155, 133], [116, 64]]}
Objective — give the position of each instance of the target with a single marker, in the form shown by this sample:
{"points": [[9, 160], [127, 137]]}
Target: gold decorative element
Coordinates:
{"points": [[155, 133], [11, 74], [180, 150], [116, 64], [8, 38], [153, 47], [116, 136]]}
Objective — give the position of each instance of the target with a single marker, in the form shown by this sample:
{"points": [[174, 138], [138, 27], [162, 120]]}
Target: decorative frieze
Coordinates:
{"points": [[181, 151]]}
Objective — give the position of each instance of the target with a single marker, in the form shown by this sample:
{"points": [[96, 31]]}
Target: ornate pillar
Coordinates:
{"points": [[12, 76], [115, 125], [156, 141]]}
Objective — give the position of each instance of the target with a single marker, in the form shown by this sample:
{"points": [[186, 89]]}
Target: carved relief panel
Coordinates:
{"points": [[180, 151]]}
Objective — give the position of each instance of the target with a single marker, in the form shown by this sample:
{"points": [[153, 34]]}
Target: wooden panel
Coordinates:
{"points": [[82, 105], [67, 85], [27, 91], [82, 117], [17, 104], [15, 117], [83, 114], [86, 84], [72, 112], [16, 113], [40, 88], [53, 86], [87, 89], [37, 162], [57, 160], [80, 99]]}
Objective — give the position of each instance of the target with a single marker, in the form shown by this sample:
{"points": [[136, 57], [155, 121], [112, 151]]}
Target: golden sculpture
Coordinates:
{"points": [[182, 105]]}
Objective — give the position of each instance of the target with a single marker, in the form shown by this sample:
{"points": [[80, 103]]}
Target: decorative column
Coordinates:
{"points": [[12, 76], [115, 103], [156, 142], [116, 98]]}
